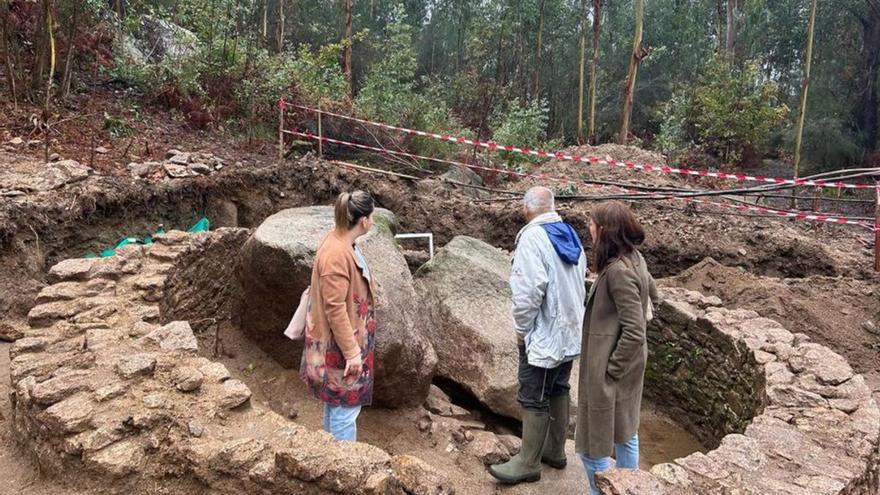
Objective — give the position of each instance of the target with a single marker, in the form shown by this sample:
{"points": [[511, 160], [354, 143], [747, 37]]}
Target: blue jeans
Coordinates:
{"points": [[341, 422], [626, 455]]}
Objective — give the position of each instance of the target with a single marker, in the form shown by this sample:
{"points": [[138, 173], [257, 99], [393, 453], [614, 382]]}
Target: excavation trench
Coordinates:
{"points": [[708, 367]]}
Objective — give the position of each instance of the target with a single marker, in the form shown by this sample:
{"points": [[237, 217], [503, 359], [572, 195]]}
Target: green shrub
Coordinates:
{"points": [[727, 110], [523, 126]]}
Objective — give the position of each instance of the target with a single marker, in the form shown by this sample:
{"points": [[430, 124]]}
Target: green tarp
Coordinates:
{"points": [[203, 225]]}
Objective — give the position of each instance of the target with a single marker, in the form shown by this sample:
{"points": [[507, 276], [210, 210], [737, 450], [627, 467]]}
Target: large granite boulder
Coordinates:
{"points": [[276, 267], [467, 298]]}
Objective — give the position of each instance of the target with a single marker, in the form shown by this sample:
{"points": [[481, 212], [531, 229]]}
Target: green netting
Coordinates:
{"points": [[203, 225]]}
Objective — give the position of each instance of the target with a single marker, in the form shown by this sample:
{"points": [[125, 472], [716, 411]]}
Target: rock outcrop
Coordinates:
{"points": [[276, 268], [467, 298]]}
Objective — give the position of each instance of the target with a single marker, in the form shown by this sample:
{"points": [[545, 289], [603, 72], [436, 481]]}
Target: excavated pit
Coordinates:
{"points": [[783, 415]]}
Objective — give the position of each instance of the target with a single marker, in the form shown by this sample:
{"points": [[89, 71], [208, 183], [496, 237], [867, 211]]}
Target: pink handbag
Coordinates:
{"points": [[297, 326]]}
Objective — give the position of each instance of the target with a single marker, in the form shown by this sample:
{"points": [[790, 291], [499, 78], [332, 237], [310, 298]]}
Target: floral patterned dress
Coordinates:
{"points": [[323, 364]]}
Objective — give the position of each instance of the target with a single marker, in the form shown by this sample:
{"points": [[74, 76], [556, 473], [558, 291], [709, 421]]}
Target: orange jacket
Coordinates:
{"points": [[337, 283]]}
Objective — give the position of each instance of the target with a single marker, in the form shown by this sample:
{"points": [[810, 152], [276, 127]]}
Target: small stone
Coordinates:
{"points": [[418, 477], [113, 391], [141, 169], [141, 329], [216, 372], [486, 447], [8, 333], [172, 153], [54, 157], [120, 459], [16, 141], [188, 379], [136, 365], [424, 424], [235, 394], [218, 167], [742, 252], [61, 387], [71, 415], [177, 171], [512, 443], [76, 269], [290, 410], [175, 336], [238, 164], [200, 168], [195, 429], [870, 327], [829, 367], [33, 143], [181, 159], [101, 150], [155, 401], [15, 193]]}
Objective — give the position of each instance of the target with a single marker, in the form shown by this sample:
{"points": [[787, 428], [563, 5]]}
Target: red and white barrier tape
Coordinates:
{"points": [[816, 217], [558, 155]]}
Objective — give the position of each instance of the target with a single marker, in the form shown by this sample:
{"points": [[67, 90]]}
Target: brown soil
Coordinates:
{"points": [[396, 431]]}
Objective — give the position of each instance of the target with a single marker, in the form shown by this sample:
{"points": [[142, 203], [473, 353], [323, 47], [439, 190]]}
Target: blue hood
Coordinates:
{"points": [[565, 241]]}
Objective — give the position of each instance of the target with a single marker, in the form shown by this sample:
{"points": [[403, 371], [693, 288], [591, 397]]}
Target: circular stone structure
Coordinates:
{"points": [[111, 393]]}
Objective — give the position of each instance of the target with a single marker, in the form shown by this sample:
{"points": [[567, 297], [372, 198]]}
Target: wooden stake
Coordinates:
{"points": [[281, 130]]}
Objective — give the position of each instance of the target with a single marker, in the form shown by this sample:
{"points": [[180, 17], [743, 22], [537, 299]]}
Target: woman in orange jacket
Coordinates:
{"points": [[340, 342]]}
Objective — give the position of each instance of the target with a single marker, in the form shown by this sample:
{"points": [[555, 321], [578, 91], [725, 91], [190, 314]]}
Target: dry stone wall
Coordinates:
{"points": [[797, 419], [108, 396], [110, 390]]}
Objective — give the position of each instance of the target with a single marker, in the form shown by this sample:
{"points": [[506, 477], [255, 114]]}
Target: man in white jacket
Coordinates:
{"points": [[547, 281]]}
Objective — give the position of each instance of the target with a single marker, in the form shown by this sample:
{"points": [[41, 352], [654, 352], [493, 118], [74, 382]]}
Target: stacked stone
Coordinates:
{"points": [[104, 391], [816, 428]]}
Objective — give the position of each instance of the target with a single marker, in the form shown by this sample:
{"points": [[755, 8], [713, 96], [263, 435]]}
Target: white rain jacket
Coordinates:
{"points": [[547, 281]]}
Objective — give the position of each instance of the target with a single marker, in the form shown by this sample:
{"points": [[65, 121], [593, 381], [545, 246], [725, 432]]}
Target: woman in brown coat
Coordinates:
{"points": [[337, 363], [612, 367]]}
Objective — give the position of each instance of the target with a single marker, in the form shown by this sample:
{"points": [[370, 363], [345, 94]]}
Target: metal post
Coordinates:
{"points": [[320, 135], [281, 129], [877, 231]]}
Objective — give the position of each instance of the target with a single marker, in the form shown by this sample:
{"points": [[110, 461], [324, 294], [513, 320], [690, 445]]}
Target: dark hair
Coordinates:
{"points": [[618, 233], [351, 207]]}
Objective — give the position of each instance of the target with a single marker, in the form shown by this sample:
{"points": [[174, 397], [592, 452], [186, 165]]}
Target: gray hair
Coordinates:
{"points": [[539, 200]]}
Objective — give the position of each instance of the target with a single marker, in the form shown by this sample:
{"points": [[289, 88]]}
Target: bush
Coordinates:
{"points": [[523, 126], [726, 111]]}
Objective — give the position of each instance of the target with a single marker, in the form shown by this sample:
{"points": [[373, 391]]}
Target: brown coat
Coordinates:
{"points": [[614, 354], [340, 325]]}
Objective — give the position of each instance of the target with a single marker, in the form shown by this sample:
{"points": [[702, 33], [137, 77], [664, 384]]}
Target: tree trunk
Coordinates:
{"points": [[804, 90], [280, 41], [580, 118], [869, 66], [731, 30], [7, 52], [349, 41], [594, 67], [539, 49], [266, 24], [637, 55], [71, 48], [51, 39]]}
